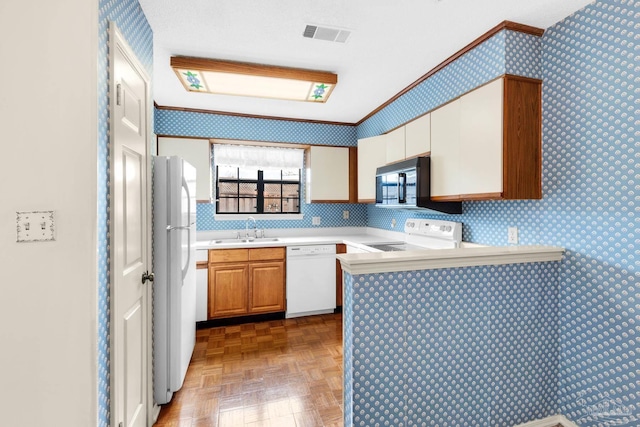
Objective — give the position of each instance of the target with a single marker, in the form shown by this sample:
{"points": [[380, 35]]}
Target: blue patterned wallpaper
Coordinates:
{"points": [[205, 125], [589, 63], [474, 346], [134, 27], [330, 216], [457, 78]]}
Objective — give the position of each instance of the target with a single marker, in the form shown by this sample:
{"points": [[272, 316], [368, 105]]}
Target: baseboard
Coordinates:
{"points": [[239, 320], [553, 421]]}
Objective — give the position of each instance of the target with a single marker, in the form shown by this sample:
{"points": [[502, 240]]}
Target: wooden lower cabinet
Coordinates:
{"points": [[266, 287], [246, 281], [228, 289]]}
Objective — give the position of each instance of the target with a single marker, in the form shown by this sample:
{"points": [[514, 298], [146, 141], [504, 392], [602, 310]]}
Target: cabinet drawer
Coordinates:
{"points": [[228, 255], [262, 254]]}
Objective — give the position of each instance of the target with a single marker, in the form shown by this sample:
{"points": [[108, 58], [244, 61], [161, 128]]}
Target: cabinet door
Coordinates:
{"points": [[395, 146], [228, 290], [481, 124], [198, 153], [445, 151], [328, 180], [266, 287], [371, 155], [417, 137]]}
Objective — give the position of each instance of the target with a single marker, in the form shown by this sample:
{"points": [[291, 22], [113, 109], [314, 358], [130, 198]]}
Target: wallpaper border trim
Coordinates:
{"points": [[250, 116]]}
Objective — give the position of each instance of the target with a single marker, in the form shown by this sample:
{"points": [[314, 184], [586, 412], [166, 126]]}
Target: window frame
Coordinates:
{"points": [[260, 182]]}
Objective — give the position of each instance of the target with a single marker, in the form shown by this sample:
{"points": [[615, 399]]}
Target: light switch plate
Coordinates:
{"points": [[36, 226], [345, 214]]}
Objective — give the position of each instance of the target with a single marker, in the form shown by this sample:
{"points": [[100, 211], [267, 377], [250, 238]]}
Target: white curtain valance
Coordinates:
{"points": [[258, 157]]}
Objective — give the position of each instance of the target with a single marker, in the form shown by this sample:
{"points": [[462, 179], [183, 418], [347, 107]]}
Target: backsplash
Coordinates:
{"points": [[589, 206], [330, 216]]}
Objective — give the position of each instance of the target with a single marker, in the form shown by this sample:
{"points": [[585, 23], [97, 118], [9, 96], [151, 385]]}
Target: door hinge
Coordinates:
{"points": [[118, 91]]}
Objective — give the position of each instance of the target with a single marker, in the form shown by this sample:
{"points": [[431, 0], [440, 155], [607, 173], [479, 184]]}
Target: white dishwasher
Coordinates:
{"points": [[311, 280]]}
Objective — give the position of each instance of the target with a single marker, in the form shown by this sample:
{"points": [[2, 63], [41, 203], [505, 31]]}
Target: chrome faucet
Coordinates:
{"points": [[246, 227]]}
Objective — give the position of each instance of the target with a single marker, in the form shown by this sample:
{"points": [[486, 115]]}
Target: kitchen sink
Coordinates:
{"points": [[258, 240]]}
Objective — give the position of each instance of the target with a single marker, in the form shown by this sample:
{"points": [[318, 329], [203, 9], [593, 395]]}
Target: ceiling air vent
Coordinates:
{"points": [[326, 33]]}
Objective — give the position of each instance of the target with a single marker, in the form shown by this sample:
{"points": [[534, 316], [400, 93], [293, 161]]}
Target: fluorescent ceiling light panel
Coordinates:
{"points": [[255, 80]]}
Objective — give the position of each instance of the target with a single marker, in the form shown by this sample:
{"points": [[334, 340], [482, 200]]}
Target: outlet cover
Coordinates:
{"points": [[512, 235], [345, 214], [315, 220], [36, 226]]}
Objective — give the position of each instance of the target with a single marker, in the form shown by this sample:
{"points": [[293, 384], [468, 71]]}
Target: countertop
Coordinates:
{"points": [[466, 256], [469, 254], [354, 236]]}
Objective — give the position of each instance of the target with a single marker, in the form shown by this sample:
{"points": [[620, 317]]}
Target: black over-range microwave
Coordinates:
{"points": [[406, 185]]}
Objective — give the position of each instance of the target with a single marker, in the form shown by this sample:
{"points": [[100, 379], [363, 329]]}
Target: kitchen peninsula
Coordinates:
{"points": [[446, 337]]}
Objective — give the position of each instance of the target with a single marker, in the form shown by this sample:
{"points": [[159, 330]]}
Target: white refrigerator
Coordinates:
{"points": [[174, 265]]}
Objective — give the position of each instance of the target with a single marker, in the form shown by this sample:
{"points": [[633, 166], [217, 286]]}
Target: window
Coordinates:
{"points": [[261, 180]]}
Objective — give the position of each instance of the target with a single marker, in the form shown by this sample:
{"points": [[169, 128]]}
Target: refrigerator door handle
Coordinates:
{"points": [[185, 270]]}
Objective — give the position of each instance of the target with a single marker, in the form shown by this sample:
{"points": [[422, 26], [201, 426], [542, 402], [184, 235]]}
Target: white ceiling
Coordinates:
{"points": [[392, 44]]}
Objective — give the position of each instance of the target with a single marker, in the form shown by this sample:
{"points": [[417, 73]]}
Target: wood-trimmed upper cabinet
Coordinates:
{"points": [[409, 141], [372, 153], [332, 174], [486, 145], [198, 153], [395, 146], [417, 137]]}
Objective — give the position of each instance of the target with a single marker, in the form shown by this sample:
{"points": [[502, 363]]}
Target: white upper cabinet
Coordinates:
{"points": [[417, 137], [198, 153], [480, 166], [372, 153], [395, 146], [486, 144], [445, 150], [410, 140], [328, 174]]}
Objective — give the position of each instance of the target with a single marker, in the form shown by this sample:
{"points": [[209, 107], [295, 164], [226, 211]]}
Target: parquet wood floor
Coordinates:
{"points": [[277, 374]]}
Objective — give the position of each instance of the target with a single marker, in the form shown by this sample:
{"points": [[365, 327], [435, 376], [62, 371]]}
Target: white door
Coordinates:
{"points": [[129, 234]]}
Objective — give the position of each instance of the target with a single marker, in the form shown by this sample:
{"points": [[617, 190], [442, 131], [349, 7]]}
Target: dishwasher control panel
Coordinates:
{"points": [[311, 250]]}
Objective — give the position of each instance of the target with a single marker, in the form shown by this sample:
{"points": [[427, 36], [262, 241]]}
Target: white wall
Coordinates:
{"points": [[48, 136]]}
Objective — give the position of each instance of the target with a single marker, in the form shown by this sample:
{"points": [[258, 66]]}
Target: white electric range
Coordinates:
{"points": [[422, 234]]}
